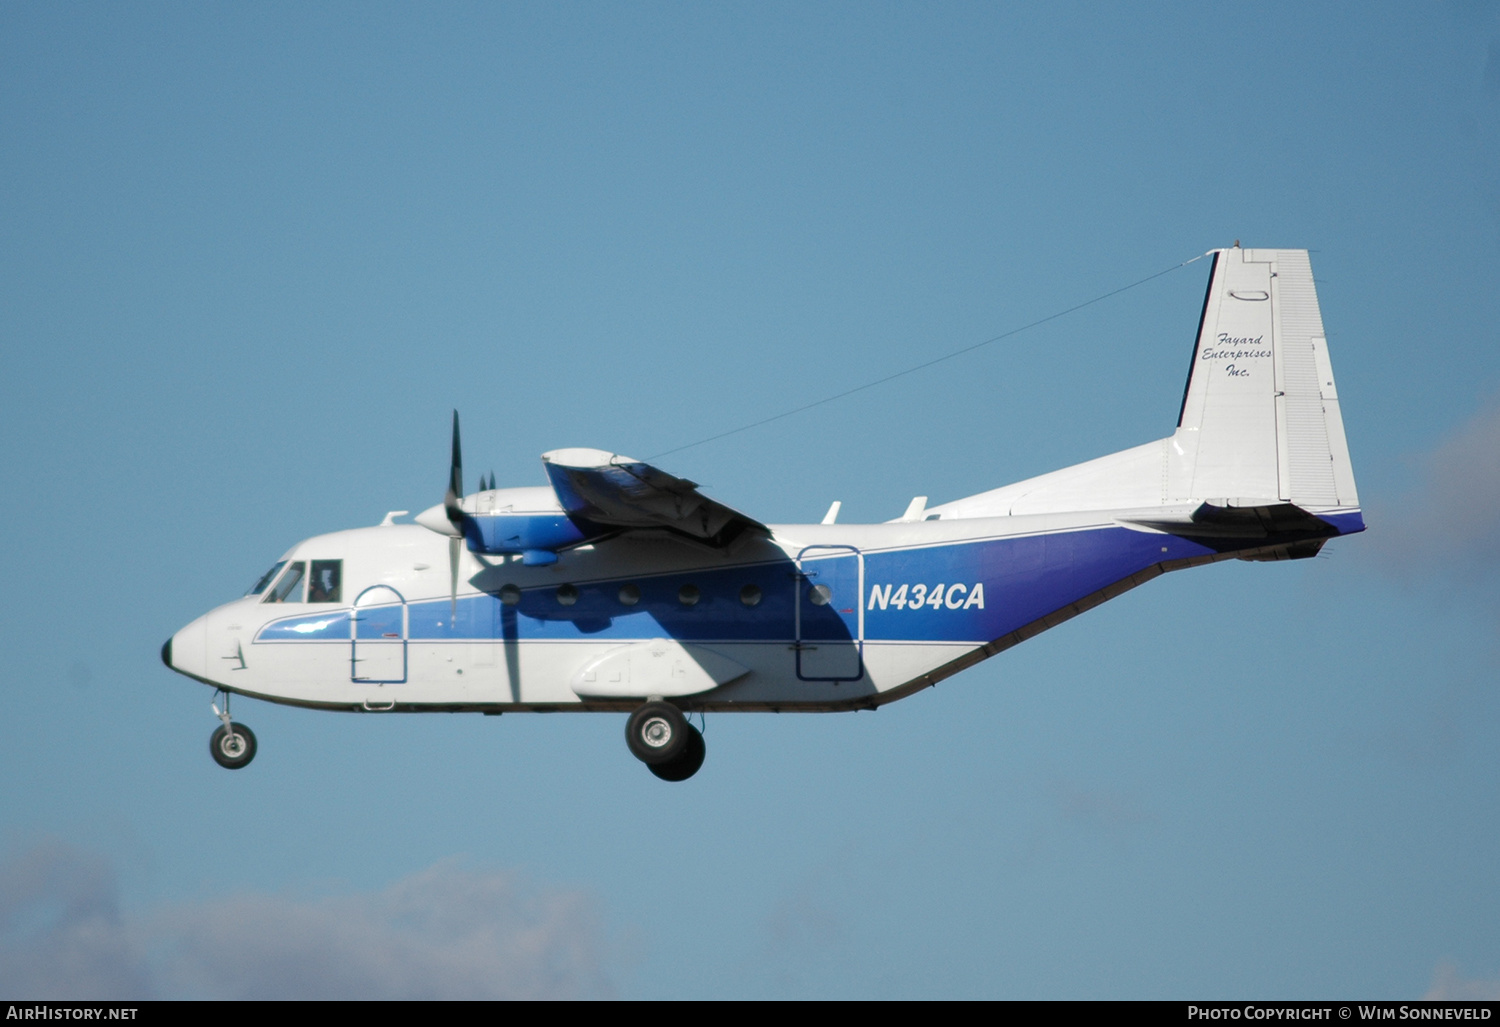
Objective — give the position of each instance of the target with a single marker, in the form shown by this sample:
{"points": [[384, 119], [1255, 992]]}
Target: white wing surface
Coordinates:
{"points": [[616, 491]]}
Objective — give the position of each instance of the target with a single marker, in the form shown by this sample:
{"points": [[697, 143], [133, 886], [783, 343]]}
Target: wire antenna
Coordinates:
{"points": [[929, 363]]}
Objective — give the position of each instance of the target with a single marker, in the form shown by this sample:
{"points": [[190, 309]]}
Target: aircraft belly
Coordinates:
{"points": [[458, 674], [773, 680]]}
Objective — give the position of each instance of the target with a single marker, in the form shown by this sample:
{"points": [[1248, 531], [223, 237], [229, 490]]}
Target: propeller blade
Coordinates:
{"points": [[453, 578], [455, 481], [448, 517], [455, 515]]}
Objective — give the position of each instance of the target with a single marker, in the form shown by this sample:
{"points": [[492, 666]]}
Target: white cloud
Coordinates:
{"points": [[1452, 522], [61, 932], [446, 932], [1447, 986]]}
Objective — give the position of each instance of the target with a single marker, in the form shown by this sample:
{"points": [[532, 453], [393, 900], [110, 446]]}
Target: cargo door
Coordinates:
{"points": [[830, 617]]}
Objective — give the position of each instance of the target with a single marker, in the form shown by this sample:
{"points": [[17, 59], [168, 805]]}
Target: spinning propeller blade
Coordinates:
{"points": [[455, 481], [455, 516], [453, 545]]}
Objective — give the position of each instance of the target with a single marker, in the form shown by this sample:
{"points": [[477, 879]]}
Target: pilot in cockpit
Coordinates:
{"points": [[323, 586]]}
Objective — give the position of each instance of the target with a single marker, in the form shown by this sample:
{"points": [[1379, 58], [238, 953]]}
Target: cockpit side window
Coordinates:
{"points": [[265, 579], [289, 588], [324, 585]]}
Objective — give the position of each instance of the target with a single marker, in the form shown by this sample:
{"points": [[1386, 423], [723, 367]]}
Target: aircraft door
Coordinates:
{"points": [[377, 637], [830, 616]]}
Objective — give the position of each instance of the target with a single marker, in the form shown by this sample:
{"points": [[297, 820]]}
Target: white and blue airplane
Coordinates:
{"points": [[621, 588]]}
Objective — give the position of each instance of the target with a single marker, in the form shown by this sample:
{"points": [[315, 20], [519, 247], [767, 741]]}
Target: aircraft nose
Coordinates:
{"points": [[185, 652]]}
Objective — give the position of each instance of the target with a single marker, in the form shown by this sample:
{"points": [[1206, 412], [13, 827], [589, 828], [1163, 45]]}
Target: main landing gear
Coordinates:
{"points": [[660, 737], [231, 745]]}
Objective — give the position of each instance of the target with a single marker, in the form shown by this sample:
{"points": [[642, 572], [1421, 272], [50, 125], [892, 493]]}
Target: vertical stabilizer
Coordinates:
{"points": [[1260, 418], [1259, 424]]}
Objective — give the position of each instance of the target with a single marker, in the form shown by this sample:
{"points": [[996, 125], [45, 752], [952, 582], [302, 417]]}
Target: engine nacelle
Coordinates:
{"points": [[502, 522]]}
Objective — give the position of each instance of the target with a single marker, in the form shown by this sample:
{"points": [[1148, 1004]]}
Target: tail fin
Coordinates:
{"points": [[1259, 424], [1260, 420]]}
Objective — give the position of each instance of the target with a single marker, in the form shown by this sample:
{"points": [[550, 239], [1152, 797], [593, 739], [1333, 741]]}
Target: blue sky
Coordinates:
{"points": [[254, 255]]}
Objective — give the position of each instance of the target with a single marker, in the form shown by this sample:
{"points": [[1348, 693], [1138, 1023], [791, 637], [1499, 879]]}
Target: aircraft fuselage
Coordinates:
{"points": [[905, 605]]}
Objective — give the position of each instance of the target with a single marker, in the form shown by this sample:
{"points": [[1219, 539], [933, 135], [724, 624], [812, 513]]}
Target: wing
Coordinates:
{"points": [[615, 491]]}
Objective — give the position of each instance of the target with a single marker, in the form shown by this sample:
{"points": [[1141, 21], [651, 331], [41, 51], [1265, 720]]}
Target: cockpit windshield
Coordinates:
{"points": [[265, 579], [289, 586]]}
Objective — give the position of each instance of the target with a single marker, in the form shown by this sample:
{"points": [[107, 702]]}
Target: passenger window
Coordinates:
{"points": [[289, 588], [265, 579], [323, 586]]}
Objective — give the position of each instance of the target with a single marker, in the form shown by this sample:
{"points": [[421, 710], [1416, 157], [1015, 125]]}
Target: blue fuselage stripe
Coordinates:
{"points": [[963, 592]]}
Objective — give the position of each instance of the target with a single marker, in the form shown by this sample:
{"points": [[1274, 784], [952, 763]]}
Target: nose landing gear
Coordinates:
{"points": [[660, 737], [231, 745]]}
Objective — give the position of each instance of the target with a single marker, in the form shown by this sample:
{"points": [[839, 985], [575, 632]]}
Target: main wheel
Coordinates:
{"points": [[656, 732], [687, 762], [232, 747]]}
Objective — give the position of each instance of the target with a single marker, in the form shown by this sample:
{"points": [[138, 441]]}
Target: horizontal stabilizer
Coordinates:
{"points": [[1276, 522], [615, 491]]}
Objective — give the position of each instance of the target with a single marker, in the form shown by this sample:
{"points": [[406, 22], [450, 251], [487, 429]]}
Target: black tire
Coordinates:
{"points": [[656, 733], [687, 762], [232, 751]]}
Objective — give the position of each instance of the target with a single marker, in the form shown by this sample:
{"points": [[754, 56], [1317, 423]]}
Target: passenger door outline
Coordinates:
{"points": [[378, 614]]}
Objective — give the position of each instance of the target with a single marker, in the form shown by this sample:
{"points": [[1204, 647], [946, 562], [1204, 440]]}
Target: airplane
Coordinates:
{"points": [[621, 588]]}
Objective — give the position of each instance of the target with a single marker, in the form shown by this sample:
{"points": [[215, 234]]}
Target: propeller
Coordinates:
{"points": [[448, 517], [455, 516]]}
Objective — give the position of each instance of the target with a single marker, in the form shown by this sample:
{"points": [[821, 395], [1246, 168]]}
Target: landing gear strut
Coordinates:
{"points": [[660, 737], [231, 745]]}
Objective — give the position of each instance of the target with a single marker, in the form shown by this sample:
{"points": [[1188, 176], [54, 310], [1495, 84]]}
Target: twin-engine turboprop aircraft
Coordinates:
{"points": [[620, 588]]}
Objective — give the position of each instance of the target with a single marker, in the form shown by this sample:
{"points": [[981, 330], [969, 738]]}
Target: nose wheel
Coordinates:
{"points": [[231, 745], [660, 737]]}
